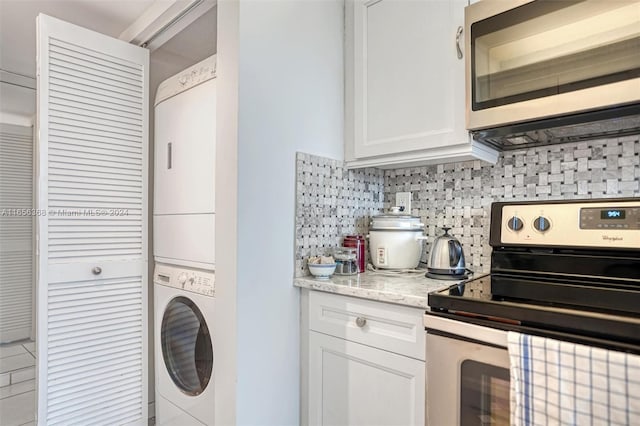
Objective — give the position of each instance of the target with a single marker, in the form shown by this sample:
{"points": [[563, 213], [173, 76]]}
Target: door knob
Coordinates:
{"points": [[96, 270]]}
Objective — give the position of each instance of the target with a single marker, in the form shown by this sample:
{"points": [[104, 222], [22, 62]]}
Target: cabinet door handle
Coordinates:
{"points": [[169, 156], [361, 321], [458, 35]]}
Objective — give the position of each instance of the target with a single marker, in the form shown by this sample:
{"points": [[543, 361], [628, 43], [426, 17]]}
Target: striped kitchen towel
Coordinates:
{"points": [[561, 383]]}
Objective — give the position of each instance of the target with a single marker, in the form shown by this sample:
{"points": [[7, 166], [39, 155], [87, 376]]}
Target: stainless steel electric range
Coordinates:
{"points": [[568, 270]]}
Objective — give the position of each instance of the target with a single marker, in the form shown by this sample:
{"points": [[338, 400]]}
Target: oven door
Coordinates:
{"points": [[467, 374]]}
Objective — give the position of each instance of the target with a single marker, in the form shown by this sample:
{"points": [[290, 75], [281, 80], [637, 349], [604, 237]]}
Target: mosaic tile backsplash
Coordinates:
{"points": [[459, 195], [332, 201]]}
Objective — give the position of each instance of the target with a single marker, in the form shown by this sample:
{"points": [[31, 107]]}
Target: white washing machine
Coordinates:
{"points": [[184, 167], [184, 346]]}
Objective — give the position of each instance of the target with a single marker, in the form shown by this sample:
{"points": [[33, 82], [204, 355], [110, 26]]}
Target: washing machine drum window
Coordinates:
{"points": [[186, 346]]}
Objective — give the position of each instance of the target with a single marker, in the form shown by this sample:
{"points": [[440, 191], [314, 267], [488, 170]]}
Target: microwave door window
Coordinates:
{"points": [[545, 48]]}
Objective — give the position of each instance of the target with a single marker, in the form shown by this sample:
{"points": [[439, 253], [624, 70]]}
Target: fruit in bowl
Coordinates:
{"points": [[321, 267]]}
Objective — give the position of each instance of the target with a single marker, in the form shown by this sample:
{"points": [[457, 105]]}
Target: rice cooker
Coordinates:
{"points": [[396, 240]]}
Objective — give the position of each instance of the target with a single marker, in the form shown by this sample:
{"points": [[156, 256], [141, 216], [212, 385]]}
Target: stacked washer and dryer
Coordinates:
{"points": [[183, 249]]}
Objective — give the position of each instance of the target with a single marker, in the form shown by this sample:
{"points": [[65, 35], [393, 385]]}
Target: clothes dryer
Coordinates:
{"points": [[184, 167]]}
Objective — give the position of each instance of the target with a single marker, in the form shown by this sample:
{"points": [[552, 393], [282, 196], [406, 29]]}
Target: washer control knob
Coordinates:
{"points": [[182, 278], [515, 224], [542, 224]]}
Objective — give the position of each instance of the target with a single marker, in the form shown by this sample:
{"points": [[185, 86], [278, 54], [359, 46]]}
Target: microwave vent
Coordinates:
{"points": [[609, 123]]}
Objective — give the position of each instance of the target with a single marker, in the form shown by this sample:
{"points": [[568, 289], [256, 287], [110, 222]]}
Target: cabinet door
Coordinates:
{"points": [[408, 82], [353, 384]]}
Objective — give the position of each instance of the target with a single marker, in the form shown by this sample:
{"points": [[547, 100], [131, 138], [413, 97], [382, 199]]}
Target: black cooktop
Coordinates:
{"points": [[545, 303]]}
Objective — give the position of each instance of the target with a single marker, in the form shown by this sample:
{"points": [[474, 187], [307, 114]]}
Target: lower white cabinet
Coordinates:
{"points": [[354, 384], [363, 362]]}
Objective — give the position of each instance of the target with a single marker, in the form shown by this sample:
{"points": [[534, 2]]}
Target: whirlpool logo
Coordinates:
{"points": [[612, 239]]}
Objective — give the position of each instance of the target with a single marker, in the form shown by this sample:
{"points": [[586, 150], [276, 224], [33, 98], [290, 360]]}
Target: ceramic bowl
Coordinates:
{"points": [[322, 271]]}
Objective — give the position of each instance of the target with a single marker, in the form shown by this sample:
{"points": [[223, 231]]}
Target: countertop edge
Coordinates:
{"points": [[380, 295]]}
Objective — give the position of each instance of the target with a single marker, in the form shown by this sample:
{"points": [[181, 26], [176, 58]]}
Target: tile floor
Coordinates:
{"points": [[17, 383]]}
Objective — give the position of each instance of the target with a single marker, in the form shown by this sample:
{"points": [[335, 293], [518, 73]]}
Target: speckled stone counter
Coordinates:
{"points": [[408, 290]]}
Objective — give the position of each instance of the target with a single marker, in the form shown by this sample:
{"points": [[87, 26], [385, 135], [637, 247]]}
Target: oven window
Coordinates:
{"points": [[546, 48], [186, 346], [484, 394]]}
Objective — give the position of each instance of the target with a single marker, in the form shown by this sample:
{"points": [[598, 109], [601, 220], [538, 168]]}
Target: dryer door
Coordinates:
{"points": [[186, 346]]}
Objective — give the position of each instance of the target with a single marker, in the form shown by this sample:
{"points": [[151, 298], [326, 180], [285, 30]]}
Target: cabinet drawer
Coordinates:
{"points": [[390, 327]]}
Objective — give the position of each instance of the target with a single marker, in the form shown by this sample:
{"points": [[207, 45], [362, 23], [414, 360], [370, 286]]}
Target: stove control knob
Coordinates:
{"points": [[542, 224], [515, 224]]}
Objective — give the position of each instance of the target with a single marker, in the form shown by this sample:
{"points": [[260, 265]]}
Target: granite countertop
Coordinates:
{"points": [[408, 290]]}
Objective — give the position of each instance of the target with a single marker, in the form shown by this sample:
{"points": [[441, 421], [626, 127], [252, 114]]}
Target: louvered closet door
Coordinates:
{"points": [[16, 232], [92, 283]]}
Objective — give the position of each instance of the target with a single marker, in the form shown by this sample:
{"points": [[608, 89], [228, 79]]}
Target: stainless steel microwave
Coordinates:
{"points": [[529, 60]]}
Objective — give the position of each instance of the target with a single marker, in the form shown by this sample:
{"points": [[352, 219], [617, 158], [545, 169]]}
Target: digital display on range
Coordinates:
{"points": [[612, 214]]}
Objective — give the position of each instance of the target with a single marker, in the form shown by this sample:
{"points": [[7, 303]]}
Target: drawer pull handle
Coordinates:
{"points": [[96, 270], [361, 321]]}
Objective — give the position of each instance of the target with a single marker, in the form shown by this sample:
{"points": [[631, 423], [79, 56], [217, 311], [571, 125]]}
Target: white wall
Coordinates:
{"points": [[17, 103], [226, 244], [290, 79]]}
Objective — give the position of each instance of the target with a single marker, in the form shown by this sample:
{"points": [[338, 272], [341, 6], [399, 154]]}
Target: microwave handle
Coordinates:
{"points": [[458, 35]]}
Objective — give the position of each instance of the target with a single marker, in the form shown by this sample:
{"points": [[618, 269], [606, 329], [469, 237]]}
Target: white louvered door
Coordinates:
{"points": [[92, 260], [16, 232]]}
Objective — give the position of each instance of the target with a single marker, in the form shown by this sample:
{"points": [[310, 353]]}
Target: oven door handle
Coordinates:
{"points": [[466, 330]]}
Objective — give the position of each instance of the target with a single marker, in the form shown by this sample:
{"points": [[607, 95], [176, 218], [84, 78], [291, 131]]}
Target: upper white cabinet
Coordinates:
{"points": [[404, 80]]}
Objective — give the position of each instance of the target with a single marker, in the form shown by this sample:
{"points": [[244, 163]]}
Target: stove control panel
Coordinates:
{"points": [[187, 279], [610, 217], [603, 223]]}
